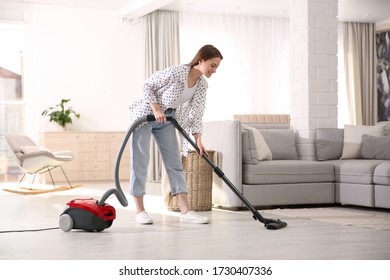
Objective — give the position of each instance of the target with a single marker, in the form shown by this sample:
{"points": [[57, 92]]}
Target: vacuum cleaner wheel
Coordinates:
{"points": [[66, 222]]}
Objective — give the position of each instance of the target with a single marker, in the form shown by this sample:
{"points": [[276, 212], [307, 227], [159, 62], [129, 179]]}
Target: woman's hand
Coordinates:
{"points": [[158, 114], [202, 149]]}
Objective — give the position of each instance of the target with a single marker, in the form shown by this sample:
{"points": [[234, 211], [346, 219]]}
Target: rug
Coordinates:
{"points": [[40, 189], [367, 218]]}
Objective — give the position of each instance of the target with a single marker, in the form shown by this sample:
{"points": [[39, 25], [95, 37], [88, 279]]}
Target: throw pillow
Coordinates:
{"points": [[281, 143], [375, 147], [32, 149], [329, 143], [249, 153], [353, 138], [386, 125], [254, 147]]}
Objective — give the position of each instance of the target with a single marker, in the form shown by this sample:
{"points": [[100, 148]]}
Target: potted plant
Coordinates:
{"points": [[60, 114]]}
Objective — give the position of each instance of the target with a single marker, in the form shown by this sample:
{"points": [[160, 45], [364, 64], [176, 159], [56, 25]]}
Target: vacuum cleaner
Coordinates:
{"points": [[97, 215]]}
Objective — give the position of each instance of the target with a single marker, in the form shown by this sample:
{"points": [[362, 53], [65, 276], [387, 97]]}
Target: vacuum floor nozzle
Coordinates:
{"points": [[275, 224]]}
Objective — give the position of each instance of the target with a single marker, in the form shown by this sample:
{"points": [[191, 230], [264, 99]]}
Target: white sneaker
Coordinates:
{"points": [[193, 218], [143, 218]]}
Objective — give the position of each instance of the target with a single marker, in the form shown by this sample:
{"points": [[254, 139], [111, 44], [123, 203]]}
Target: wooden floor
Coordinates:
{"points": [[230, 236]]}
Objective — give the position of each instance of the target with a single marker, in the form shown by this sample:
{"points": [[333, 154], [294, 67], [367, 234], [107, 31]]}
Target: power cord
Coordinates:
{"points": [[28, 230]]}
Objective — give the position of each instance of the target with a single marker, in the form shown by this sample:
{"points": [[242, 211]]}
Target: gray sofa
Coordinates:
{"points": [[285, 179], [362, 179]]}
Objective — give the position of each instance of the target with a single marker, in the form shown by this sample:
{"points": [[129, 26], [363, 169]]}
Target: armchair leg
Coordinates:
{"points": [[51, 177], [46, 169], [24, 175], [66, 177], [35, 174], [70, 185], [20, 181]]}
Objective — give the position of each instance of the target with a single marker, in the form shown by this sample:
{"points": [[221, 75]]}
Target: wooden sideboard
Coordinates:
{"points": [[94, 155]]}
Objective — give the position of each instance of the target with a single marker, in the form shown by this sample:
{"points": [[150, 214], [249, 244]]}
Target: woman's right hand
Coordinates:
{"points": [[160, 116]]}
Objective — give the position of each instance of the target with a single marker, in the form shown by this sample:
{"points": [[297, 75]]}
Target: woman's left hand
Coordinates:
{"points": [[202, 149]]}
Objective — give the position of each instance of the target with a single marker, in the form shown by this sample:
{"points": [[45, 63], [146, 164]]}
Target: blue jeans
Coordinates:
{"points": [[166, 140]]}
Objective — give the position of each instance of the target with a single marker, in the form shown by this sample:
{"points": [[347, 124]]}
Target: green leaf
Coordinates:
{"points": [[61, 114]]}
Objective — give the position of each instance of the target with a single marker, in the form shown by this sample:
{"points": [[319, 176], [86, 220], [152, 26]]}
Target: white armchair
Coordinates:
{"points": [[34, 159]]}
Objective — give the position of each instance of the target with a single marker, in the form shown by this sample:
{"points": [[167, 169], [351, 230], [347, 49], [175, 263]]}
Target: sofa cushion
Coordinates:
{"points": [[355, 171], [382, 174], [353, 138], [386, 125], [281, 143], [254, 147], [355, 194], [382, 196], [329, 143], [287, 172], [375, 147]]}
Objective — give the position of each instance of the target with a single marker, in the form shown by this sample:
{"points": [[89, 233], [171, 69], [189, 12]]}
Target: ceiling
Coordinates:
{"points": [[349, 10]]}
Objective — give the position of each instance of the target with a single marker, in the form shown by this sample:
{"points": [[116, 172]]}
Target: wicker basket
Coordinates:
{"points": [[199, 178]]}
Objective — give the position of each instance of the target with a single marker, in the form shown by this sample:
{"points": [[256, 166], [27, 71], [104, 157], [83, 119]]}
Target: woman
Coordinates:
{"points": [[180, 92]]}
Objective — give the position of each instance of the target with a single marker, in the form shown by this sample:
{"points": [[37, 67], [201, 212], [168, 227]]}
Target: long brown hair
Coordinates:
{"points": [[206, 52]]}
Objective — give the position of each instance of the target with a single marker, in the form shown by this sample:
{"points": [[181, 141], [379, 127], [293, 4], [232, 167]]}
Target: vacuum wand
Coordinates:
{"points": [[268, 223]]}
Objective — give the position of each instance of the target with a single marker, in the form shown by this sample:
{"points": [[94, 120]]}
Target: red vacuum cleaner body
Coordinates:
{"points": [[87, 214]]}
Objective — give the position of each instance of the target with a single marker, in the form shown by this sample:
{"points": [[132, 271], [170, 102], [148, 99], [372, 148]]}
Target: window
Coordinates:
{"points": [[254, 74], [11, 94]]}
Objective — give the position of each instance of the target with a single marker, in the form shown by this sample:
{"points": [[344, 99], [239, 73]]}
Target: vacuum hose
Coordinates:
{"points": [[118, 190]]}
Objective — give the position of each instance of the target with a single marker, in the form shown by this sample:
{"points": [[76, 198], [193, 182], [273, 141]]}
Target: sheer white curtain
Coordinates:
{"points": [[161, 40], [254, 74]]}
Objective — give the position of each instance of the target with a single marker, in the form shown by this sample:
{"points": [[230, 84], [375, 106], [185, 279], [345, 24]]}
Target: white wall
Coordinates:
{"points": [[88, 56]]}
